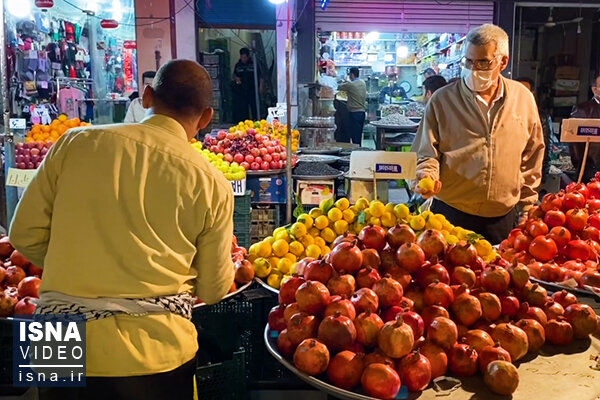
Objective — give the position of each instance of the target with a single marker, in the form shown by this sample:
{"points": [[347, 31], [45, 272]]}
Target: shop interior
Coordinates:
{"points": [[77, 57]]}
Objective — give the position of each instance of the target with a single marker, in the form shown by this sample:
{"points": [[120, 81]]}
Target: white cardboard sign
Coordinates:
{"points": [[19, 177], [239, 187], [580, 130], [382, 165]]}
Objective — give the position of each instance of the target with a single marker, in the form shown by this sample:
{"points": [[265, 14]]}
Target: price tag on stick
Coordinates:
{"points": [[19, 177], [581, 130]]}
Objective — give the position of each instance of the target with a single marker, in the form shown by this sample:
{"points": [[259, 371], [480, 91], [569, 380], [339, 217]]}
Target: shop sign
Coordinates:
{"points": [[367, 165], [580, 130], [239, 187], [129, 44], [109, 24], [17, 123], [19, 177], [44, 3]]}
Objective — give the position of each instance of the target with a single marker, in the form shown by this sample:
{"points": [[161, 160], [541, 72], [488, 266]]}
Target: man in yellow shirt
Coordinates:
{"points": [[127, 220]]}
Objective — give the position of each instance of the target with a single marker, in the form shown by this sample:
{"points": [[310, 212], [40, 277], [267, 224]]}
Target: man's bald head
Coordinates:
{"points": [[183, 86]]}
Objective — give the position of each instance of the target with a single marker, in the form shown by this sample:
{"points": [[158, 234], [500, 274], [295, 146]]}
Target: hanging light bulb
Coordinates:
{"points": [[371, 37], [579, 27], [402, 52], [19, 8], [276, 1], [117, 10]]}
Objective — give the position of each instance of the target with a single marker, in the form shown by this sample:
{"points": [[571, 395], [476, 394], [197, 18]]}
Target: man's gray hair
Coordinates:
{"points": [[488, 33]]}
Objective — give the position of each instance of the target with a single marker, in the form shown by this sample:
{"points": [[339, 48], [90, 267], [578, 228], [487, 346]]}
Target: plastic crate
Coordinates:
{"points": [[225, 380], [241, 228], [6, 351], [267, 213], [242, 204]]}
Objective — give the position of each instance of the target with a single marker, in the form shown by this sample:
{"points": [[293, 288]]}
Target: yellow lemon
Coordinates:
{"points": [[483, 247], [434, 223], [388, 219], [315, 212], [281, 233], [321, 222], [298, 230], [314, 232], [427, 184], [452, 239], [375, 221], [389, 207], [401, 211], [253, 249], [280, 248], [274, 261], [340, 227], [358, 227], [335, 214], [307, 220], [274, 280], [296, 248], [348, 215], [325, 250], [291, 257], [307, 240], [269, 239], [262, 267], [293, 269], [376, 208], [319, 241], [285, 265], [361, 204], [265, 249], [313, 251], [417, 222], [328, 235], [342, 203], [427, 214], [447, 225]]}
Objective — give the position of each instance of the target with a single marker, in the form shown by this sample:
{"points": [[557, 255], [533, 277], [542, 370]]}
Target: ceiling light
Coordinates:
{"points": [[19, 8]]}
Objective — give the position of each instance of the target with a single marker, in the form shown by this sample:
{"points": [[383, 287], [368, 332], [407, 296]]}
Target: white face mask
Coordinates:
{"points": [[478, 81]]}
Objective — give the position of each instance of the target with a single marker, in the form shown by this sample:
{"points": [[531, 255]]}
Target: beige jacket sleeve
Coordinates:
{"points": [[531, 165], [213, 258], [426, 145]]}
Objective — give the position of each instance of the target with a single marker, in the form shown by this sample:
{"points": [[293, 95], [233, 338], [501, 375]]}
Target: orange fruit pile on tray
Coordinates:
{"points": [[52, 132]]}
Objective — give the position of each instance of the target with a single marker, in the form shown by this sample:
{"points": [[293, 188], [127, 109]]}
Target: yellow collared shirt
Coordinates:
{"points": [[129, 211]]}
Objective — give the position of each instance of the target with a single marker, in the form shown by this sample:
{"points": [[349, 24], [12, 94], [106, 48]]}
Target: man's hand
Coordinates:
{"points": [[425, 188], [238, 80]]}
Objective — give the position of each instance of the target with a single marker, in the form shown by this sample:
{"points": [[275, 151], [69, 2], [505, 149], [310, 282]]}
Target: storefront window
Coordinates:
{"points": [[77, 58]]}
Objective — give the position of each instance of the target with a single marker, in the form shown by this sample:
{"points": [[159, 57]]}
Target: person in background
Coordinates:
{"points": [[429, 72], [431, 85], [356, 91], [136, 111], [588, 109], [481, 142], [244, 89], [139, 228], [546, 121]]}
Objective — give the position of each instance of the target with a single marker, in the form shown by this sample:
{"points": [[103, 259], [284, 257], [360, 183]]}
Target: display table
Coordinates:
{"points": [[385, 132]]}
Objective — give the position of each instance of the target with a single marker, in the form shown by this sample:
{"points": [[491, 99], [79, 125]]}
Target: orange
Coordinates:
{"points": [[45, 128]]}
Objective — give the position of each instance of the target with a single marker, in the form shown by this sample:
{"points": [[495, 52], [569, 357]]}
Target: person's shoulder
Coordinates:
{"points": [[446, 93], [518, 90]]}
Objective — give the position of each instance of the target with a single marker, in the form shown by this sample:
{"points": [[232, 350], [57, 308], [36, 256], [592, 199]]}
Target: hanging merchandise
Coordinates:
{"points": [[44, 4], [109, 24]]}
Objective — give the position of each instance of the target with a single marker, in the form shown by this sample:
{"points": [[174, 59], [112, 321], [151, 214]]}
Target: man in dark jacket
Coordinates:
{"points": [[588, 109], [244, 89]]}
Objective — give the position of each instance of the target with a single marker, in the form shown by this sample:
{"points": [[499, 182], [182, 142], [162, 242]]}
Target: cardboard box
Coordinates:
{"points": [[313, 192], [564, 101], [566, 72], [566, 86], [362, 188], [269, 189]]}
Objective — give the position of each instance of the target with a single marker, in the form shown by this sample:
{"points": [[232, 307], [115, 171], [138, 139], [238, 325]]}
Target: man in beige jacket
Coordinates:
{"points": [[481, 140]]}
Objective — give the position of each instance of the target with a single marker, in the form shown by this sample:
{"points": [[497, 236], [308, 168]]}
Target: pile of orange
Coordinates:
{"points": [[51, 133]]}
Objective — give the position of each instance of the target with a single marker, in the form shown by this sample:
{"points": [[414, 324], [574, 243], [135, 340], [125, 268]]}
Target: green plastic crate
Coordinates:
{"points": [[225, 380], [241, 228], [242, 204]]}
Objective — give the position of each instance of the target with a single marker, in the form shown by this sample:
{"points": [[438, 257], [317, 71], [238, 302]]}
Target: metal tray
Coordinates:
{"points": [[266, 285], [318, 177], [271, 344], [386, 126], [228, 295], [327, 150], [265, 173], [324, 158], [558, 287]]}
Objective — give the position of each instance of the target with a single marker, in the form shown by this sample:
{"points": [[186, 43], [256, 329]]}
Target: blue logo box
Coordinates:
{"points": [[388, 168], [49, 350]]}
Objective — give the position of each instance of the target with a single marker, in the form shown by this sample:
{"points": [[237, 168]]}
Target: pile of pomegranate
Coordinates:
{"points": [[560, 241], [388, 308], [20, 281]]}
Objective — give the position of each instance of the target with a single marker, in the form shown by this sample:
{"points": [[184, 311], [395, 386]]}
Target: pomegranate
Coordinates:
{"points": [[488, 354], [522, 242], [579, 188], [391, 313], [495, 279], [466, 309], [340, 305], [311, 357], [553, 309], [551, 272], [373, 237], [416, 295], [552, 201], [491, 307], [367, 277], [519, 275], [559, 331], [501, 377], [14, 275], [25, 306], [380, 381], [543, 248], [346, 256], [536, 335], [578, 250], [18, 259], [337, 332], [289, 311], [463, 275], [7, 304], [312, 297], [302, 326], [560, 235], [368, 325], [477, 339], [395, 338], [415, 321], [318, 270], [276, 319], [2, 274], [573, 200], [438, 293], [462, 253], [432, 273], [576, 219], [443, 332], [378, 357], [554, 218], [433, 244], [590, 233], [365, 299], [536, 228], [510, 305], [342, 285], [462, 360], [527, 312], [284, 344], [388, 291], [591, 278], [512, 339], [400, 234], [5, 247], [410, 257], [594, 189], [430, 313], [564, 298], [346, 237], [345, 369], [437, 358], [535, 295], [388, 258], [29, 286], [400, 275], [244, 272], [414, 370], [583, 319], [371, 258]]}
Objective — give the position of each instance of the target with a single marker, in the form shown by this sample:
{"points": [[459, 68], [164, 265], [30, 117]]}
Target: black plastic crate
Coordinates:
{"points": [[225, 380], [6, 351]]}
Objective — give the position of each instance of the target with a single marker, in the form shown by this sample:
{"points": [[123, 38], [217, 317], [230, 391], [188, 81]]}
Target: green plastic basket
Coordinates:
{"points": [[241, 228], [242, 204]]}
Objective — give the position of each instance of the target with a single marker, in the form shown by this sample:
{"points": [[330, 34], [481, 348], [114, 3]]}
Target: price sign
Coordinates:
{"points": [[382, 165], [239, 187], [19, 177], [17, 123], [580, 130]]}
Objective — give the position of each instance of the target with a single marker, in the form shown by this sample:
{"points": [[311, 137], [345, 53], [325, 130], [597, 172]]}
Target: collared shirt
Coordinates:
{"points": [[491, 110], [129, 211], [136, 111]]}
